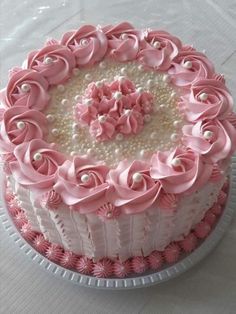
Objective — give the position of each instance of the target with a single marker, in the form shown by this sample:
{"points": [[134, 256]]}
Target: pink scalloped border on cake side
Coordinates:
{"points": [[107, 267], [209, 137]]}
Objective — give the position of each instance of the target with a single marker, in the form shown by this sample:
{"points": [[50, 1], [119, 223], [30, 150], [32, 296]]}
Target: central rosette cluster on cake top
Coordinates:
{"points": [[114, 110]]}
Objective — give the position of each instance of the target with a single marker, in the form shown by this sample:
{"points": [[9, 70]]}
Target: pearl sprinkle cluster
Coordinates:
{"points": [[160, 133]]}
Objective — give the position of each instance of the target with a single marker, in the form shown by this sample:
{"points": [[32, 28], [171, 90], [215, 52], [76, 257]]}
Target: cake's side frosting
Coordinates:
{"points": [[124, 236]]}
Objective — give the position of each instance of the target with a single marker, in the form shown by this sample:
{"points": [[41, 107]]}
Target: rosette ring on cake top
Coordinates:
{"points": [[116, 144]]}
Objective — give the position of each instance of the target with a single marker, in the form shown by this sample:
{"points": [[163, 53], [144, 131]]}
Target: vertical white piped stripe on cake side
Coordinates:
{"points": [[146, 245], [112, 234], [124, 231], [149, 242], [163, 228], [61, 220], [23, 195], [47, 226], [138, 233], [81, 222], [97, 235]]}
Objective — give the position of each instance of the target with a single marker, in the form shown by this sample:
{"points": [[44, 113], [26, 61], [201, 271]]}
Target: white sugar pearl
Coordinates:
{"points": [[109, 214], [117, 95], [176, 162], [102, 65], [153, 135], [121, 78], [208, 135], [119, 137], [55, 132], [140, 67], [25, 88], [137, 177], [48, 60], [147, 118], [123, 71], [173, 94], [166, 78], [139, 90], [150, 83], [143, 153], [127, 112], [90, 151], [77, 97], [85, 177], [60, 88], [75, 126], [156, 44], [99, 84], [104, 81], [162, 107], [102, 119], [88, 77], [174, 137], [124, 36], [117, 151], [75, 71], [37, 156], [73, 153], [50, 117], [84, 42], [64, 101], [203, 96], [88, 102], [20, 125], [188, 65], [75, 137], [177, 123]]}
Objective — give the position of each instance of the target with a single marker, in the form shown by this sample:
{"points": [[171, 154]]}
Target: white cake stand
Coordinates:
{"points": [[147, 279]]}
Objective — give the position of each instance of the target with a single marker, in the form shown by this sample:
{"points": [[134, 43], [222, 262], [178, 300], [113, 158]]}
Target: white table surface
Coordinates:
{"points": [[210, 287]]}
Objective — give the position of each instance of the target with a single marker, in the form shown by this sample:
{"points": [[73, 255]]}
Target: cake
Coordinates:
{"points": [[116, 144]]}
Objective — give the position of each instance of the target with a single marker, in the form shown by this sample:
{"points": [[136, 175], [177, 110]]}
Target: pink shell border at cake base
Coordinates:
{"points": [[148, 278]]}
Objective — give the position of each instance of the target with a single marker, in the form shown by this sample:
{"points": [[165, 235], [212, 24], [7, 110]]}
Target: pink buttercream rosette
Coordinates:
{"points": [[26, 88], [189, 66], [19, 125], [123, 41], [88, 44], [213, 139], [158, 49], [218, 102], [180, 171], [54, 61], [134, 190], [36, 165], [82, 184]]}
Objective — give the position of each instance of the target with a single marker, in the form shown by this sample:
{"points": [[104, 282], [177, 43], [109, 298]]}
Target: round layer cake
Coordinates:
{"points": [[116, 145]]}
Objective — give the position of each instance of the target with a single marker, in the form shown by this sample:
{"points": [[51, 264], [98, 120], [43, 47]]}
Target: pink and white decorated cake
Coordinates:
{"points": [[116, 144]]}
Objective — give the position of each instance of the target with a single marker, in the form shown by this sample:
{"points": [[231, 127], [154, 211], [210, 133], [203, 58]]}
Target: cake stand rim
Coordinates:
{"points": [[145, 280]]}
